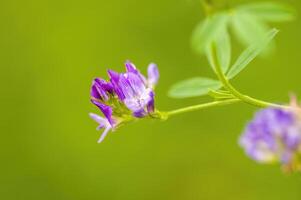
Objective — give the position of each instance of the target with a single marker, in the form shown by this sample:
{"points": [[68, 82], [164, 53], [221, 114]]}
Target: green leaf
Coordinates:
{"points": [[207, 30], [223, 48], [250, 53], [269, 11], [193, 87], [248, 28]]}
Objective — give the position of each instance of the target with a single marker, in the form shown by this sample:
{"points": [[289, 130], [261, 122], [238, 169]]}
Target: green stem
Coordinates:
{"points": [[237, 96], [236, 93], [201, 106], [208, 6]]}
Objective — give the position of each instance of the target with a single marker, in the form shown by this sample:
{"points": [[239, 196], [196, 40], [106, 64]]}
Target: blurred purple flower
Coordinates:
{"points": [[274, 135], [126, 95]]}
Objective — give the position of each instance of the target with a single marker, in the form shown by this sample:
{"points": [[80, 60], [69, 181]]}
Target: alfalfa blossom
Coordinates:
{"points": [[274, 135], [124, 97]]}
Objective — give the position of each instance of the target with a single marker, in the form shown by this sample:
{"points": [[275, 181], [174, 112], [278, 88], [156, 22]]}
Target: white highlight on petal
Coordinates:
{"points": [[103, 123], [100, 120], [139, 102], [104, 134]]}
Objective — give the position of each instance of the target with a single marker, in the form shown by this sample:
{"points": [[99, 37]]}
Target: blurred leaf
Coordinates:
{"points": [[207, 30], [223, 48], [269, 11], [193, 87], [250, 53], [248, 28]]}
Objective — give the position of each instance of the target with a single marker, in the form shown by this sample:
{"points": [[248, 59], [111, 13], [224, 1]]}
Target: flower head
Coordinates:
{"points": [[274, 135], [124, 97]]}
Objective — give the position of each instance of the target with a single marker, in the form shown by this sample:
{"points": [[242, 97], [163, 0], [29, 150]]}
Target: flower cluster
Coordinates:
{"points": [[274, 135], [124, 97]]}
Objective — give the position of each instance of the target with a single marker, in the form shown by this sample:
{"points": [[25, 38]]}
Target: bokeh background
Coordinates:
{"points": [[50, 52]]}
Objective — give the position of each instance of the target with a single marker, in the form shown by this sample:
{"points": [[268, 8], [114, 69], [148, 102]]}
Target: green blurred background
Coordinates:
{"points": [[50, 52]]}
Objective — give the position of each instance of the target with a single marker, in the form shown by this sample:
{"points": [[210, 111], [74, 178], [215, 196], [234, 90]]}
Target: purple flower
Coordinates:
{"points": [[134, 90], [273, 135], [127, 95]]}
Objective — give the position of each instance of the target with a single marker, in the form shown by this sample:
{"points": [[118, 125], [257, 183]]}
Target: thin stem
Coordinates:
{"points": [[208, 6], [201, 106], [237, 96], [207, 3], [236, 93]]}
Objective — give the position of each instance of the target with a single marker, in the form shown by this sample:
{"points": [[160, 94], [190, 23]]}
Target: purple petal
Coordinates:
{"points": [[130, 67], [139, 114], [137, 103], [100, 120], [133, 104], [106, 110], [98, 91], [94, 92], [153, 75], [136, 83], [125, 87], [107, 86], [151, 103], [114, 78], [292, 137]]}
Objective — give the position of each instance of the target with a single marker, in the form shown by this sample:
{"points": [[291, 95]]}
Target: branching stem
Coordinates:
{"points": [[237, 96], [250, 100]]}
